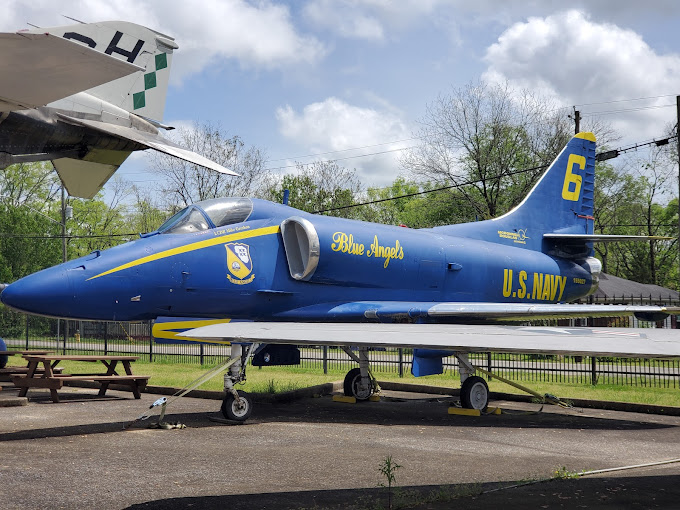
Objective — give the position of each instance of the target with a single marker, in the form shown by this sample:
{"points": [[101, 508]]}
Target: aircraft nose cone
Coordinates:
{"points": [[45, 293]]}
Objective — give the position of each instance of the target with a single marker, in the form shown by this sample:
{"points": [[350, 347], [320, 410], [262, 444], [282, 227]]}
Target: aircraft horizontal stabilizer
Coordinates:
{"points": [[83, 178], [602, 238], [37, 69], [622, 342], [150, 140]]}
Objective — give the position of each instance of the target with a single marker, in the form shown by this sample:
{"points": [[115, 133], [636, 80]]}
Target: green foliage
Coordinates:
{"points": [[441, 207], [95, 226], [26, 222], [318, 187], [628, 204], [562, 473]]}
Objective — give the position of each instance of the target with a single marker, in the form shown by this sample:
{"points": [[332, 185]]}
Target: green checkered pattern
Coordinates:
{"points": [[139, 98]]}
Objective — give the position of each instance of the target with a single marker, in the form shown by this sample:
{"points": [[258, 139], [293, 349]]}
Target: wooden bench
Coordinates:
{"points": [[54, 381], [7, 372]]}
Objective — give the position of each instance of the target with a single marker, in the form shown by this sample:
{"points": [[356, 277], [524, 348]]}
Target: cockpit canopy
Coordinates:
{"points": [[208, 214]]}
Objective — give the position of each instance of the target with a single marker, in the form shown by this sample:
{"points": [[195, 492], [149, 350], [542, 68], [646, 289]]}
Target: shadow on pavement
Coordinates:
{"points": [[323, 410], [598, 493]]}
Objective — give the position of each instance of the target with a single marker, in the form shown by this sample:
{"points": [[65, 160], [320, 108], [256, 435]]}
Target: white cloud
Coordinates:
{"points": [[578, 61], [334, 125], [367, 19], [257, 35]]}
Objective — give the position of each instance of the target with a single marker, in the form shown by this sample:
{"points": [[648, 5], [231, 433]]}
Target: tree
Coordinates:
{"points": [[98, 224], [419, 210], [145, 214], [29, 233], [185, 183], [489, 139], [628, 203], [318, 186]]}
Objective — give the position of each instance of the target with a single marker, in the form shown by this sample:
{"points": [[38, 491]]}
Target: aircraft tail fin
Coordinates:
{"points": [[560, 202], [143, 92]]}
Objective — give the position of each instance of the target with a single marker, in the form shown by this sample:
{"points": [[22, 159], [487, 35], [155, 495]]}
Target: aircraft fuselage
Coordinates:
{"points": [[243, 270], [39, 135]]}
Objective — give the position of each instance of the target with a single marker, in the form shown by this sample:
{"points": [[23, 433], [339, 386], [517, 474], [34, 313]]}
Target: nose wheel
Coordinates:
{"points": [[237, 409]]}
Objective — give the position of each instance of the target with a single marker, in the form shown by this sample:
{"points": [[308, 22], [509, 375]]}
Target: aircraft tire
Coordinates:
{"points": [[235, 411], [474, 393], [351, 385]]}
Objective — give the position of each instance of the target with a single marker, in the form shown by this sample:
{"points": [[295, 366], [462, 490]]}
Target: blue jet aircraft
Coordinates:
{"points": [[289, 277]]}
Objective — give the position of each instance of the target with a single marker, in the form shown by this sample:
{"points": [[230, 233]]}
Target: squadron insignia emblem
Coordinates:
{"points": [[239, 263]]}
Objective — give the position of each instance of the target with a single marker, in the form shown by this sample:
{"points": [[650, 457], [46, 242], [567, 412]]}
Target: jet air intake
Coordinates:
{"points": [[301, 243]]}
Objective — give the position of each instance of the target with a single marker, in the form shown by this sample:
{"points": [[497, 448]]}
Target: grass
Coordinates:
{"points": [[281, 379]]}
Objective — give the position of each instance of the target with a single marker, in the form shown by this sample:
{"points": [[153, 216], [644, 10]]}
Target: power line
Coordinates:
{"points": [[625, 100], [346, 150], [612, 154], [345, 158], [38, 236], [476, 181], [626, 110]]}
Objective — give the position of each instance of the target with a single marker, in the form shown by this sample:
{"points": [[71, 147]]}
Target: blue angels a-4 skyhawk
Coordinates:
{"points": [[260, 273]]}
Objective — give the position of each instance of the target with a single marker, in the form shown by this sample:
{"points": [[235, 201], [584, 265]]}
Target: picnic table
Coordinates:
{"points": [[7, 372], [49, 378]]}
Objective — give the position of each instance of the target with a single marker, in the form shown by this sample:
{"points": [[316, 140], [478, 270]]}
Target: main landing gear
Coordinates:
{"points": [[474, 392], [359, 382], [237, 404]]}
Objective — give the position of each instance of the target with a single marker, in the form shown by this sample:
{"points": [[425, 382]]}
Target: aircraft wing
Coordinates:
{"points": [[36, 69], [619, 342], [475, 312], [150, 140]]}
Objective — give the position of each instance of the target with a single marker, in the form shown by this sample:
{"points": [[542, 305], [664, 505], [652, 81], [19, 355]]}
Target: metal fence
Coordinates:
{"points": [[80, 337]]}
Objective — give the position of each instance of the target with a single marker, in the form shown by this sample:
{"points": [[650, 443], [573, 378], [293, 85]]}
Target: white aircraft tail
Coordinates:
{"points": [[142, 93]]}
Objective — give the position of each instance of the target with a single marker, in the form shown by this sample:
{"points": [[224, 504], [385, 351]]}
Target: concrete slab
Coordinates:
{"points": [[315, 453]]}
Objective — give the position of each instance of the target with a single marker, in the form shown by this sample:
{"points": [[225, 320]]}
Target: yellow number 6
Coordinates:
{"points": [[570, 177]]}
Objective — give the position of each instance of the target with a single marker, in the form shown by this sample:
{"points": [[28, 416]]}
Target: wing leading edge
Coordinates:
{"points": [[37, 69], [622, 342], [150, 140]]}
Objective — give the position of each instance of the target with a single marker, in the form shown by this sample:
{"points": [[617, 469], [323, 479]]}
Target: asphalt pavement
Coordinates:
{"points": [[316, 453]]}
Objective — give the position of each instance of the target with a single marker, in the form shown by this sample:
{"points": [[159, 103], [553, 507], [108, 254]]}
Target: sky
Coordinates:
{"points": [[351, 79]]}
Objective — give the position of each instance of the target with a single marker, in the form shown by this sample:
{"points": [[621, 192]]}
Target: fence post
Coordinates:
{"points": [[401, 361], [26, 331], [593, 370], [325, 359], [201, 354], [488, 364], [65, 334]]}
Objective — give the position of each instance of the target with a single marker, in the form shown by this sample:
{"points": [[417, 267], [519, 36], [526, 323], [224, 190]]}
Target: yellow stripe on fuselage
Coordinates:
{"points": [[246, 234], [166, 330]]}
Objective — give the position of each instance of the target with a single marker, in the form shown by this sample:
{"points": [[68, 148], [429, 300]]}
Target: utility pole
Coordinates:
{"points": [[677, 133], [63, 224], [577, 121]]}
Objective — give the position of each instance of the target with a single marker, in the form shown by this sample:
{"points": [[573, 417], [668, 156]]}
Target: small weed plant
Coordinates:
{"points": [[388, 468]]}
